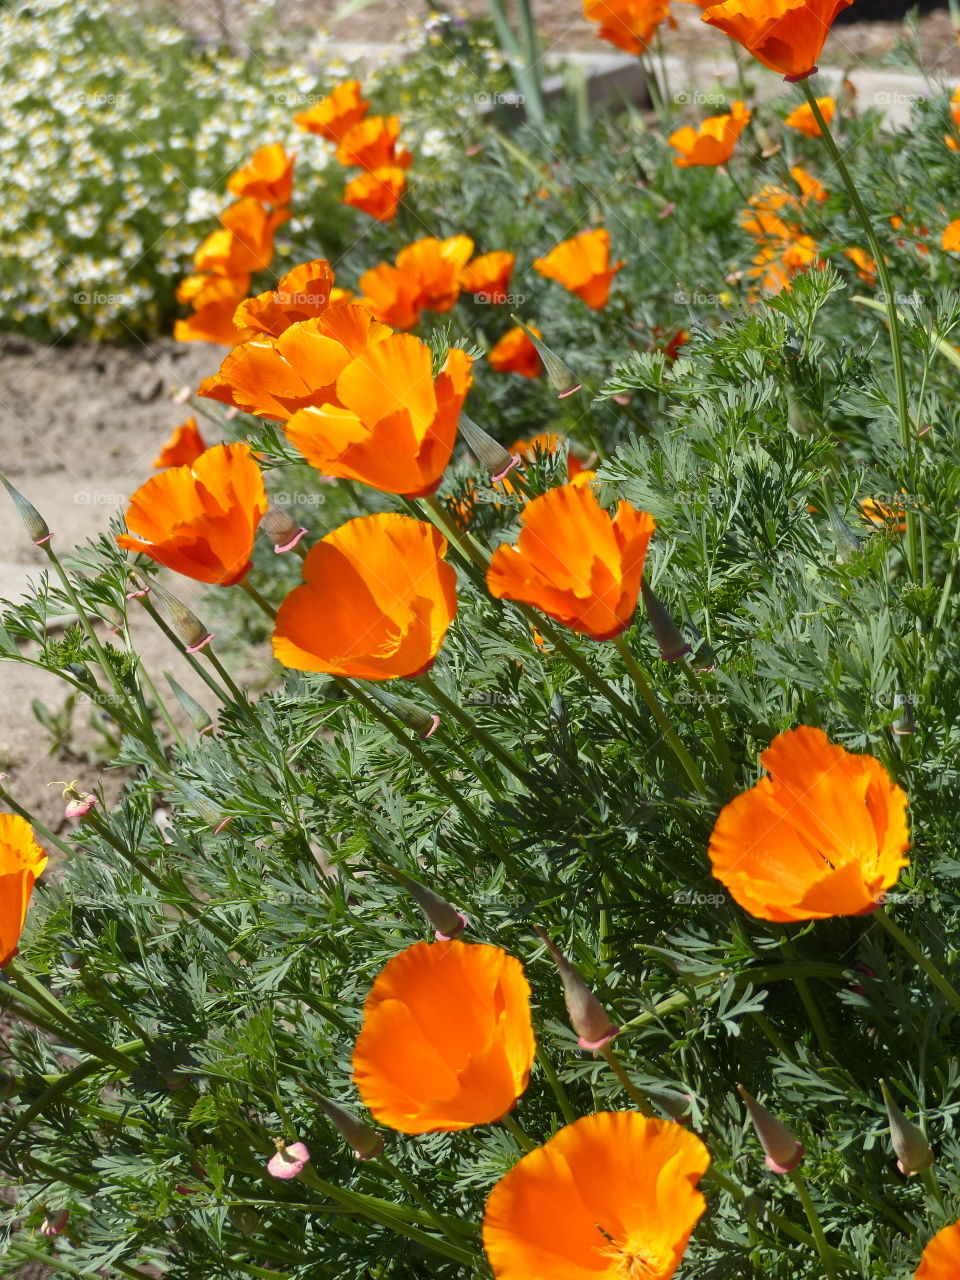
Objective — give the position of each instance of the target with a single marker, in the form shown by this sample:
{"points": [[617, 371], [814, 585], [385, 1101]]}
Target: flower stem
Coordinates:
{"points": [[946, 988], [489, 743], [618, 1069], [416, 1194], [816, 1228], [553, 1080], [525, 1141], [658, 713], [716, 730], [893, 319], [809, 1003], [260, 601]]}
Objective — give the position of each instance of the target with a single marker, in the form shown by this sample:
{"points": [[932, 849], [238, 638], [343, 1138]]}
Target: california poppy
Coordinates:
{"points": [[268, 177], [436, 265], [865, 265], [377, 193], [515, 353], [775, 264], [612, 1196], [392, 295], [810, 187], [714, 142], [447, 1040], [390, 424], [214, 301], [951, 237], [244, 243], [582, 265], [336, 114], [785, 35], [21, 862], [546, 442], [949, 139], [372, 145], [200, 520], [488, 277], [628, 24], [941, 1257], [823, 835], [274, 377], [804, 121], [881, 513], [183, 448], [304, 292], [575, 562]]}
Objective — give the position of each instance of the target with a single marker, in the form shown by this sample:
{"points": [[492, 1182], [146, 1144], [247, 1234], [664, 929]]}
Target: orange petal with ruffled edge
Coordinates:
{"points": [[21, 862]]}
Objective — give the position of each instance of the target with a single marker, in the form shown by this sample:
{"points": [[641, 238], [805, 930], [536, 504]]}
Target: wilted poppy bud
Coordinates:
{"points": [[562, 379], [186, 623], [491, 455], [910, 1146], [37, 528], [667, 634], [79, 804], [905, 723], [782, 1152], [424, 723], [282, 530], [289, 1161], [447, 921], [587, 1015], [196, 714], [364, 1141], [54, 1222]]}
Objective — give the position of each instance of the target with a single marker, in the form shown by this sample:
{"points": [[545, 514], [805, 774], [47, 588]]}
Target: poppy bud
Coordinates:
{"points": [[676, 1105], [37, 528], [54, 1222], [910, 1146], [186, 623], [205, 807], [282, 530], [289, 1161], [782, 1152], [587, 1015], [491, 455], [245, 1219], [905, 723], [670, 642], [447, 921], [196, 714], [562, 379], [424, 723], [364, 1141], [848, 544]]}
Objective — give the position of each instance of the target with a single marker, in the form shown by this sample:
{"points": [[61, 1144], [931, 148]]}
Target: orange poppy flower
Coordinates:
{"points": [[785, 35], [488, 277], [775, 265], [515, 353], [393, 296], [436, 265], [805, 122], [810, 187], [377, 193], [865, 265], [245, 241], [823, 835], [21, 862], [582, 265], [304, 292], [628, 24], [214, 300], [200, 520], [714, 142], [336, 114], [372, 145], [880, 513], [575, 562], [941, 1257], [183, 448], [376, 602], [612, 1196], [274, 377], [447, 1040], [951, 237], [955, 117], [546, 442], [391, 425], [268, 177]]}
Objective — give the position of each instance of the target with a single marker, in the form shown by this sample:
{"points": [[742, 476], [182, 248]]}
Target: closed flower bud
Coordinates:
{"points": [[196, 714], [491, 455], [562, 379], [588, 1017], [365, 1142], [289, 1161], [447, 921], [782, 1152], [848, 544], [54, 1222], [910, 1146], [905, 722], [424, 723], [184, 622], [670, 642], [37, 529], [282, 530], [675, 1104]]}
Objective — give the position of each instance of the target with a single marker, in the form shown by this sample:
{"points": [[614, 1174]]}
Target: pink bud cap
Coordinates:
{"points": [[53, 1223], [448, 937], [201, 644], [434, 726], [292, 542], [514, 462], [289, 1161]]}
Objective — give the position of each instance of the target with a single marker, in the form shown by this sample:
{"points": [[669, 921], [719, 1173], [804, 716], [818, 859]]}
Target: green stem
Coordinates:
{"points": [[946, 988], [896, 340], [656, 710], [524, 1139], [416, 1194], [716, 729], [201, 670], [465, 543], [52, 1017], [777, 1220], [489, 743], [260, 601], [929, 1180], [618, 1069], [809, 1003], [553, 1080], [816, 1228]]}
